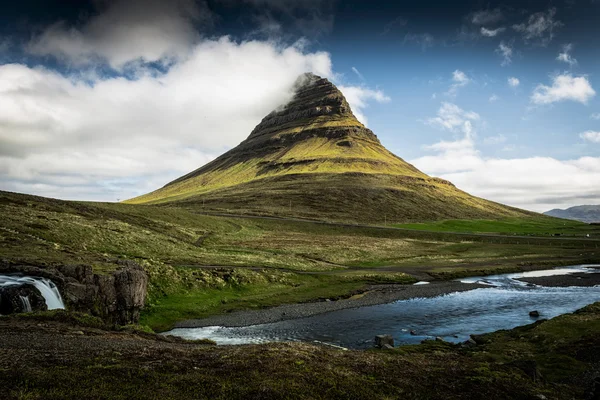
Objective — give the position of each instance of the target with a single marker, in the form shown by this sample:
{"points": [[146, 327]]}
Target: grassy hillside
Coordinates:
{"points": [[265, 261]]}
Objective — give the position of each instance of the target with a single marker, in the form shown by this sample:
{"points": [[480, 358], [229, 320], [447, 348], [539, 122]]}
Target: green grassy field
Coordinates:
{"points": [[517, 226], [265, 262]]}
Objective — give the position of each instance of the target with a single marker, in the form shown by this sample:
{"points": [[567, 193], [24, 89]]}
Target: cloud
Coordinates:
{"points": [[492, 32], [63, 136], [425, 40], [564, 87], [453, 118], [359, 97], [493, 140], [460, 80], [486, 17], [590, 136], [565, 56], [310, 18], [534, 183], [506, 52], [595, 116], [539, 27], [396, 22], [493, 98], [124, 31], [513, 82], [357, 72]]}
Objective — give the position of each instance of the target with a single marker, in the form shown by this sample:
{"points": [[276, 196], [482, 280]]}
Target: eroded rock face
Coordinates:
{"points": [[22, 298], [116, 297]]}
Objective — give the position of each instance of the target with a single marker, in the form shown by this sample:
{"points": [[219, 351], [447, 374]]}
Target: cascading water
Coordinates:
{"points": [[46, 287], [26, 303]]}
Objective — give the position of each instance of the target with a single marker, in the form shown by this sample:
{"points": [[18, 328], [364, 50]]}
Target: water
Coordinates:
{"points": [[504, 305], [46, 287], [26, 303]]}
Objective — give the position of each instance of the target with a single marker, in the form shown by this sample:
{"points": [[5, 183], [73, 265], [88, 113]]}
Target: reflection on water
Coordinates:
{"points": [[504, 305]]}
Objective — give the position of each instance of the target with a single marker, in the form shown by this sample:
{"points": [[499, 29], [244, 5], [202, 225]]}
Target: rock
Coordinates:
{"points": [[413, 333], [382, 340], [78, 333], [387, 347], [470, 343], [116, 298], [534, 314], [439, 339], [21, 298]]}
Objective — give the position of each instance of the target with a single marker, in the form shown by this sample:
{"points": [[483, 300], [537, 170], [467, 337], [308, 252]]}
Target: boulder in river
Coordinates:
{"points": [[382, 340], [21, 298], [534, 314]]}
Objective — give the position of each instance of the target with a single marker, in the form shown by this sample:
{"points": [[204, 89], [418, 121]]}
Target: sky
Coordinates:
{"points": [[109, 99]]}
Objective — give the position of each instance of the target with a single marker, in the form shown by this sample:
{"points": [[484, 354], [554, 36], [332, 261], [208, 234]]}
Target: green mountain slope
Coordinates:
{"points": [[313, 159]]}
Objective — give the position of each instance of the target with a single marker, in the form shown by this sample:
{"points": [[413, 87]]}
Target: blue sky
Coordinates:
{"points": [[110, 99]]}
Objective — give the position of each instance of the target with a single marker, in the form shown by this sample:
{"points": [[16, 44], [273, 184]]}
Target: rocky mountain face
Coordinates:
{"points": [[311, 158], [116, 297], [586, 213]]}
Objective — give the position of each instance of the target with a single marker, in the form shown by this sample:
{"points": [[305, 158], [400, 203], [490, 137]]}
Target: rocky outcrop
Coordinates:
{"points": [[22, 298], [117, 297]]}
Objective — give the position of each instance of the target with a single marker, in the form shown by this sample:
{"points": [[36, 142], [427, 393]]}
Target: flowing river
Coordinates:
{"points": [[453, 317]]}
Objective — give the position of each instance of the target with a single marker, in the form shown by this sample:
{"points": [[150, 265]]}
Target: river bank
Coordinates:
{"points": [[373, 295], [45, 358]]}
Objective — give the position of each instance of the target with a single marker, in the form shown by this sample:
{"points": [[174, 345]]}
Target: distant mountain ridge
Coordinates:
{"points": [[312, 158], [585, 213]]}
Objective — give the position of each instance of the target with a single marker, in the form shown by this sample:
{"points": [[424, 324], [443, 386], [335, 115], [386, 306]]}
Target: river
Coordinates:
{"points": [[505, 304]]}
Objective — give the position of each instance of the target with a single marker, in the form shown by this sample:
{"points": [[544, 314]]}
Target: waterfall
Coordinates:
{"points": [[26, 303], [46, 287]]}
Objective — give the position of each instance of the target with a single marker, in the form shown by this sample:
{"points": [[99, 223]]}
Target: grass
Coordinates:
{"points": [[516, 226], [263, 262]]}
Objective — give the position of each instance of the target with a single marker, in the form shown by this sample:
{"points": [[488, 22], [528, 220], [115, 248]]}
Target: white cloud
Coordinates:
{"points": [[591, 136], [453, 118], [539, 27], [506, 52], [486, 17], [492, 32], [127, 31], [513, 82], [565, 56], [493, 140], [357, 72], [358, 97], [493, 98], [535, 183], [564, 87], [460, 80], [595, 116], [63, 137]]}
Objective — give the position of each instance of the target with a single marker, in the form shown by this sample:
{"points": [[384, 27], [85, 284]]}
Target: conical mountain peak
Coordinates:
{"points": [[317, 103], [312, 158]]}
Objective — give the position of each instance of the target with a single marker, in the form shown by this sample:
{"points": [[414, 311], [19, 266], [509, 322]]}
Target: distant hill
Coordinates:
{"points": [[312, 158], [589, 214]]}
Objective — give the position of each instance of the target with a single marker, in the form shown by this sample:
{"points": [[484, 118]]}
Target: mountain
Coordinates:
{"points": [[587, 214], [312, 158]]}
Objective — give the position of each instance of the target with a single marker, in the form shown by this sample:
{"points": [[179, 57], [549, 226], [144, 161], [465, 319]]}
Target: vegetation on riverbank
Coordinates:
{"points": [[554, 358]]}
